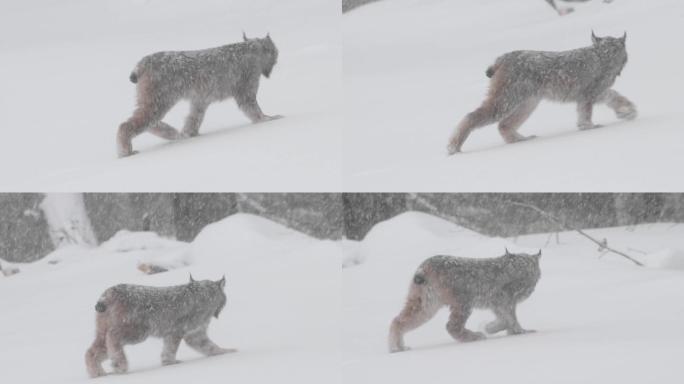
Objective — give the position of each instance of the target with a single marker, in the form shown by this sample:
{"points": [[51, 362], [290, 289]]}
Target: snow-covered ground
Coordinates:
{"points": [[414, 68], [283, 312], [598, 320], [65, 90]]}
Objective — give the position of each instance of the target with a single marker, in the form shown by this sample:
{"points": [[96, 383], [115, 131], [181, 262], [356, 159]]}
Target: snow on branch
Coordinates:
{"points": [[603, 244]]}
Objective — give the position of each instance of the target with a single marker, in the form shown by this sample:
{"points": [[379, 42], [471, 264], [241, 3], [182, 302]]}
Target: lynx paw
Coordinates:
{"points": [[127, 154], [452, 149], [222, 351], [521, 331], [565, 10], [584, 127], [399, 349], [274, 117], [626, 113], [187, 135], [470, 336]]}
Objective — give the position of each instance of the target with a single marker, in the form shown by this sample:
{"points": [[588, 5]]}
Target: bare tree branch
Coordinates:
{"points": [[603, 244]]}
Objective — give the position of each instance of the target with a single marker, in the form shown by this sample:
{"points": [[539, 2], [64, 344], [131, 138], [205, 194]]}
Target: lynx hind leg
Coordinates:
{"points": [[199, 341], [96, 354], [506, 315], [480, 117], [116, 353], [163, 130], [151, 109], [420, 307], [457, 321], [623, 107], [194, 119], [508, 127]]}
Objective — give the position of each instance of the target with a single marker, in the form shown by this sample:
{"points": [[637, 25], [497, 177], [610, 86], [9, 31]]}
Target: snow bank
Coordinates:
{"points": [[405, 236], [671, 258]]}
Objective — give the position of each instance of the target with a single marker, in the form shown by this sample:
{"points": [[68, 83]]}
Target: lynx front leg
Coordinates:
{"points": [[456, 325], [506, 314], [623, 107], [171, 344], [194, 120], [249, 106], [200, 342], [585, 110]]}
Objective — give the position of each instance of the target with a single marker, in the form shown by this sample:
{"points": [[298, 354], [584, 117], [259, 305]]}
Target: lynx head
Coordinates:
{"points": [[213, 291], [524, 256], [268, 53], [611, 49]]}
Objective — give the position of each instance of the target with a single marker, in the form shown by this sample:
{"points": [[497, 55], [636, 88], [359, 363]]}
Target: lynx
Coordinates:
{"points": [[202, 77], [129, 314], [464, 284], [521, 79]]}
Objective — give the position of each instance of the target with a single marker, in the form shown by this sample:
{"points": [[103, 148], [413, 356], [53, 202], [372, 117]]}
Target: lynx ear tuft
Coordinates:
{"points": [[222, 282], [624, 38], [595, 40], [538, 253], [244, 36], [191, 279], [507, 253]]}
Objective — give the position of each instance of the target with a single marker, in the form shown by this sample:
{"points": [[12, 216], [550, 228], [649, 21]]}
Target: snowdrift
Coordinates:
{"points": [[282, 313], [598, 319], [414, 68]]}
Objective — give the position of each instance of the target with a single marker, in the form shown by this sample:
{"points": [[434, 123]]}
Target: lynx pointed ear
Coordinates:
{"points": [[507, 253], [244, 36], [191, 279], [268, 35], [624, 37], [594, 39], [222, 282], [538, 253]]}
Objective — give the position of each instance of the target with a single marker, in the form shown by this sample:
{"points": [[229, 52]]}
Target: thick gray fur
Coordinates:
{"points": [[202, 77], [129, 314], [464, 284], [521, 79]]}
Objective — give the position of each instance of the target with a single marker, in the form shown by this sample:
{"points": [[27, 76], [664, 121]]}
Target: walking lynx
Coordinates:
{"points": [[521, 79], [129, 314], [464, 284], [202, 77]]}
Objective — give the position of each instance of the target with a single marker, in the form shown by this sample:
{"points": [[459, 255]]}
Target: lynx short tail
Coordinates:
{"points": [[100, 307]]}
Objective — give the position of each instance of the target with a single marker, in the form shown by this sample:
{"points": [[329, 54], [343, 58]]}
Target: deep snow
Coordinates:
{"points": [[598, 320], [65, 90], [414, 68], [282, 314]]}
